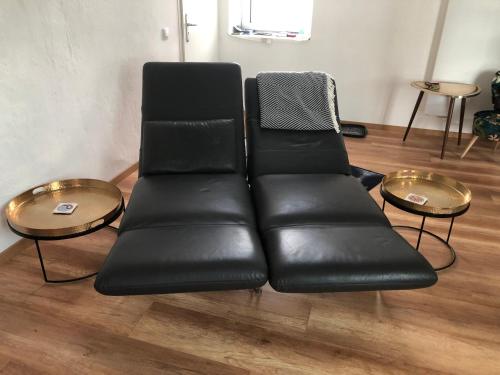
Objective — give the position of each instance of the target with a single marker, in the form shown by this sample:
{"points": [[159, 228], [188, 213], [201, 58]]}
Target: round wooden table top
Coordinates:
{"points": [[453, 89]]}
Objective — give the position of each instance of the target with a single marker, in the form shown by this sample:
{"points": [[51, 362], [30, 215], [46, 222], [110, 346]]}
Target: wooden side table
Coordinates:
{"points": [[451, 90], [30, 214]]}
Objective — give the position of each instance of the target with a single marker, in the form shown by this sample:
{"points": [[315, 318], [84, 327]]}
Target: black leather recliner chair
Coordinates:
{"points": [[321, 230], [189, 225]]}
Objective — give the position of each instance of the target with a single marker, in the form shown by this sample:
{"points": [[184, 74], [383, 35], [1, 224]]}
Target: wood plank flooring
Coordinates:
{"points": [[453, 327]]}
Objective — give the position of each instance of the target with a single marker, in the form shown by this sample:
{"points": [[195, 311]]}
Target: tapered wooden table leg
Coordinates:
{"points": [[448, 123], [452, 90], [471, 143], [461, 125], [419, 99]]}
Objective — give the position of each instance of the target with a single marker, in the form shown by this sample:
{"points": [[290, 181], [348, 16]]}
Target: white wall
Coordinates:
{"points": [[374, 48], [70, 87], [469, 51]]}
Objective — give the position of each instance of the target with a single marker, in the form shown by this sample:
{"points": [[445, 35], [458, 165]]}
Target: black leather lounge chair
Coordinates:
{"points": [[321, 230], [189, 225]]}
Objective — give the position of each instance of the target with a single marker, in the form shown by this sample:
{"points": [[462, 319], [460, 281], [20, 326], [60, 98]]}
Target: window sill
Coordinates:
{"points": [[269, 38]]}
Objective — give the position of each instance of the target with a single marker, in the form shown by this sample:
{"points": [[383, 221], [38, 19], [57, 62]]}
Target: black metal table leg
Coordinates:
{"points": [[42, 265], [419, 99], [421, 230], [449, 230], [448, 123], [461, 125]]}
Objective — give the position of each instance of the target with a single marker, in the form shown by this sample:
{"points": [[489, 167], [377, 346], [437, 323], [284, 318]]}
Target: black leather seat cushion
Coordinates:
{"points": [[324, 233], [183, 258], [300, 199], [185, 233], [327, 258], [188, 199]]}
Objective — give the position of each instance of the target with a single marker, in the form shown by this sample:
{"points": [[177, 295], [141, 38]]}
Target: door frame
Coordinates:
{"points": [[182, 36]]}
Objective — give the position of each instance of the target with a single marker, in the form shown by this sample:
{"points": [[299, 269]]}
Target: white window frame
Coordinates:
{"points": [[245, 22]]}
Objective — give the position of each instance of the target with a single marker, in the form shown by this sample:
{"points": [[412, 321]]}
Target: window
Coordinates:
{"points": [[277, 19]]}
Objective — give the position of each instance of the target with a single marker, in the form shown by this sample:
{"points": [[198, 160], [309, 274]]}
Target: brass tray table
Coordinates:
{"points": [[31, 216], [446, 198]]}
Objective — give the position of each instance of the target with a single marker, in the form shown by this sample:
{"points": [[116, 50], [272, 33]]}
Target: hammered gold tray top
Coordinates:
{"points": [[30, 213], [445, 196], [455, 89]]}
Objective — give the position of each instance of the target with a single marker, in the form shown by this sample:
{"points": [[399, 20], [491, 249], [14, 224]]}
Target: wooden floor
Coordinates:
{"points": [[453, 327]]}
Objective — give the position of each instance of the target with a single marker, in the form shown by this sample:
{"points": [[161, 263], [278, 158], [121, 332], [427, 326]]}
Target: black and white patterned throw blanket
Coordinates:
{"points": [[297, 101]]}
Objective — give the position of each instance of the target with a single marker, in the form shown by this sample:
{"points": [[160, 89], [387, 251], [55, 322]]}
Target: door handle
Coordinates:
{"points": [[187, 25]]}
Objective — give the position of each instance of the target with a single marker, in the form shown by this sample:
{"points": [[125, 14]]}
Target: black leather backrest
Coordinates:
{"points": [[177, 94], [164, 148], [290, 151]]}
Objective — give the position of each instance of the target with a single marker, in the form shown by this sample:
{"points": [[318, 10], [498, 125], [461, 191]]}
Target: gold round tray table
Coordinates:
{"points": [[445, 198], [31, 215]]}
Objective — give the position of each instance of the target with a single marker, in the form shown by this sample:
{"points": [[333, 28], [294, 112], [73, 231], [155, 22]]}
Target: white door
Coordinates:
{"points": [[199, 19]]}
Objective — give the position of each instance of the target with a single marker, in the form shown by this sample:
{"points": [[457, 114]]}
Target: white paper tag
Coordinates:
{"points": [[418, 199], [65, 208]]}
